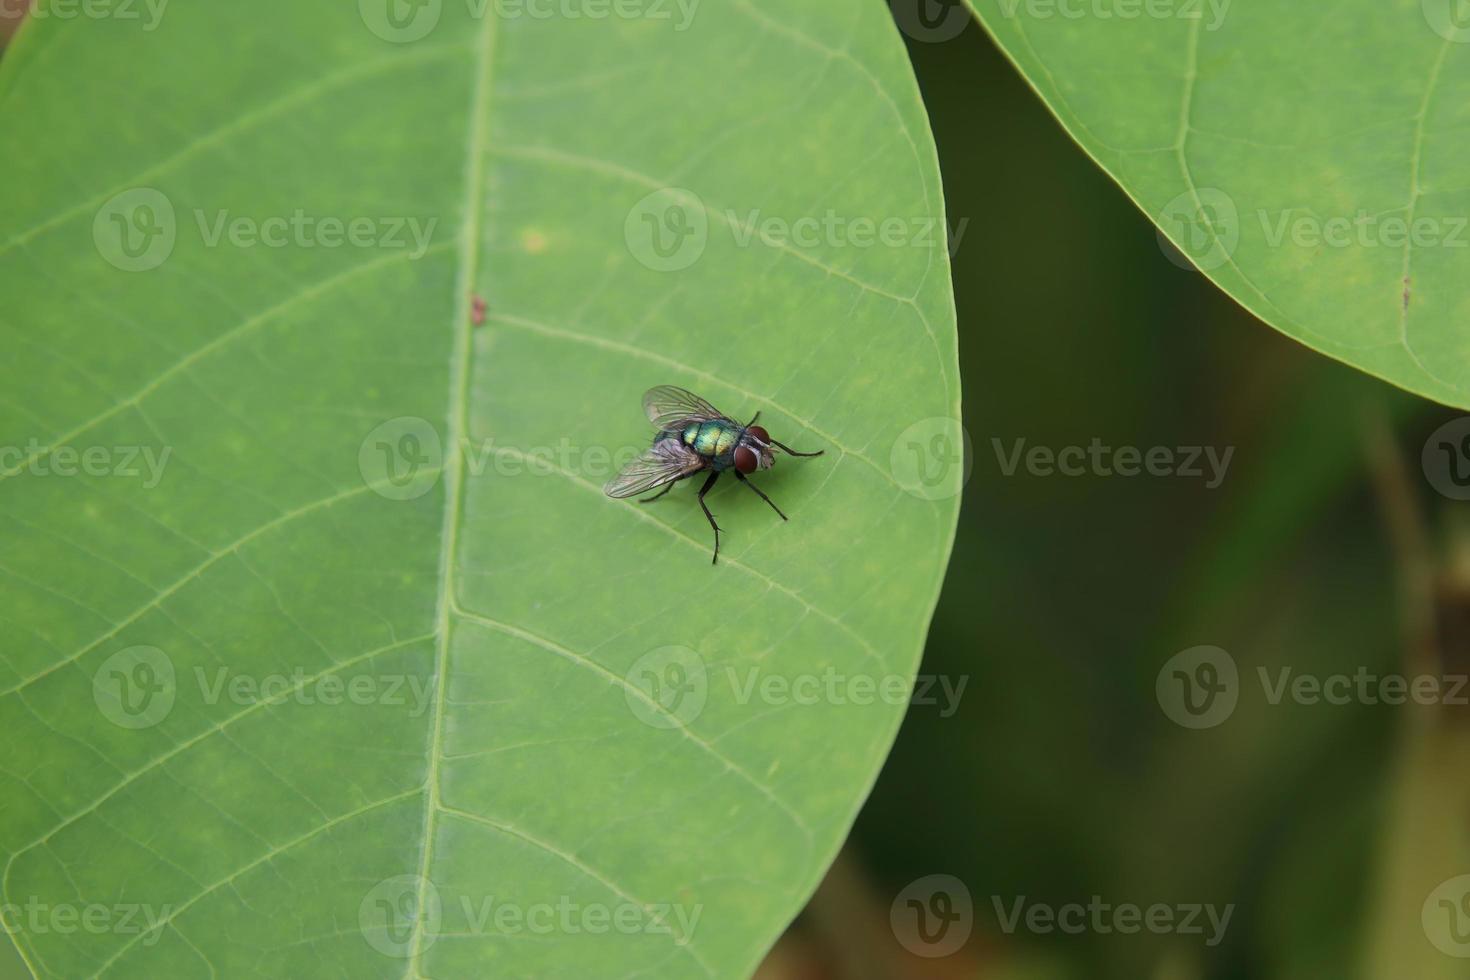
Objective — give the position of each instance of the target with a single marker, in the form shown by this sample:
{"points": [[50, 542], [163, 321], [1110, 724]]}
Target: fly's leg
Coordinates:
{"points": [[792, 452], [713, 476], [666, 489], [752, 421], [669, 486], [761, 493]]}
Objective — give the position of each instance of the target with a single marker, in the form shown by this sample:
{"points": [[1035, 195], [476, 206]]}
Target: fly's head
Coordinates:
{"points": [[755, 451]]}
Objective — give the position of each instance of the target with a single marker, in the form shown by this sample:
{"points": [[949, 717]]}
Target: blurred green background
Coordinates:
{"points": [[1324, 549]]}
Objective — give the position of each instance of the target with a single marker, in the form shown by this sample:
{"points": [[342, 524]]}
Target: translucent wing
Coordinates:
{"points": [[663, 462], [668, 407]]}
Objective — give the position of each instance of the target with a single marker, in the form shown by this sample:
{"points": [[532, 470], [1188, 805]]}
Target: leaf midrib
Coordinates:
{"points": [[456, 419]]}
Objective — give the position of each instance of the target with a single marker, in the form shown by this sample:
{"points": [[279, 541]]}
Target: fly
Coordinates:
{"points": [[695, 437]]}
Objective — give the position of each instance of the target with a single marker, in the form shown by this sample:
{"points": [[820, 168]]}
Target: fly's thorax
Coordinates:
{"points": [[711, 439]]}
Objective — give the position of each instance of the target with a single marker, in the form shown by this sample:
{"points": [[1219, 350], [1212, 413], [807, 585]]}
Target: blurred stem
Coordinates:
{"points": [[12, 12], [849, 920], [1425, 840], [1408, 536]]}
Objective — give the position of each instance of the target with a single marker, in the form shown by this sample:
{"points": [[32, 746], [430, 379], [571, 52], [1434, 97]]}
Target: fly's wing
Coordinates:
{"points": [[664, 462], [668, 407]]}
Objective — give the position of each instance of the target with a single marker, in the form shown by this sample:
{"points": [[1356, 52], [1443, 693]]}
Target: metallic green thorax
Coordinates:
{"points": [[711, 439]]}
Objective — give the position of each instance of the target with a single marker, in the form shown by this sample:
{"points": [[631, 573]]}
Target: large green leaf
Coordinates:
{"points": [[1308, 158], [199, 691]]}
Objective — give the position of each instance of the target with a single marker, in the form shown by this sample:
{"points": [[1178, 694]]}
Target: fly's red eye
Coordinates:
{"points": [[745, 460], [759, 432]]}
